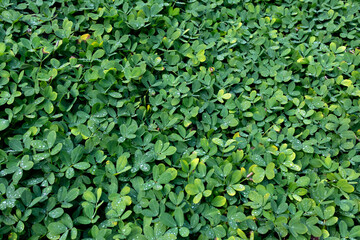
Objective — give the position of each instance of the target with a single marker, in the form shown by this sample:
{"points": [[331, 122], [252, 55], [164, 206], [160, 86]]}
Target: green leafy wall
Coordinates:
{"points": [[189, 119]]}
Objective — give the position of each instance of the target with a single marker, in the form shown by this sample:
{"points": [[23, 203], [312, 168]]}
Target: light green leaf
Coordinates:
{"points": [[4, 124], [89, 196], [259, 174], [269, 171], [218, 201], [191, 189]]}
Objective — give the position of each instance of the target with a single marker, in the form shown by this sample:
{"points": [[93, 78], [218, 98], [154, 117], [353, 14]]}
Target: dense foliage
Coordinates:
{"points": [[190, 119]]}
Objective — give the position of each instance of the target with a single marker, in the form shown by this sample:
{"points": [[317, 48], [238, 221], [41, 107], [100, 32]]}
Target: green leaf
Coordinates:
{"points": [[331, 221], [282, 208], [77, 153], [303, 181], [259, 174], [236, 176], [191, 189], [345, 186], [39, 229], [218, 141], [82, 165], [259, 114], [344, 229], [170, 151], [197, 198], [329, 212], [98, 54], [121, 163], [308, 149], [340, 49], [38, 145], [269, 171], [169, 175], [218, 201], [184, 232], [40, 156], [283, 76], [259, 41], [258, 160], [16, 145], [72, 195], [57, 228], [245, 105], [51, 138], [296, 227], [17, 176], [179, 216], [315, 231], [167, 220], [158, 146], [333, 46], [220, 231], [4, 124], [136, 72], [56, 149], [356, 158], [84, 130], [355, 232], [56, 213], [89, 196]]}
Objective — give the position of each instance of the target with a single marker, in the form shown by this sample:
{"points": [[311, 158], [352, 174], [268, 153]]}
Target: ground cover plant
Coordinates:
{"points": [[189, 119]]}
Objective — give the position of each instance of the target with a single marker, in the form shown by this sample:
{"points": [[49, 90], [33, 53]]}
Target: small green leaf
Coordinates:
{"points": [[259, 174], [57, 212], [82, 165], [98, 54], [4, 124], [169, 175], [184, 232], [329, 212], [345, 186], [218, 141], [56, 149], [158, 146], [57, 228], [170, 151], [269, 171], [191, 189], [340, 49], [197, 198], [331, 221], [259, 41], [167, 220], [308, 149], [72, 195], [236, 176], [218, 201], [297, 227], [51, 138], [179, 216], [89, 196]]}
